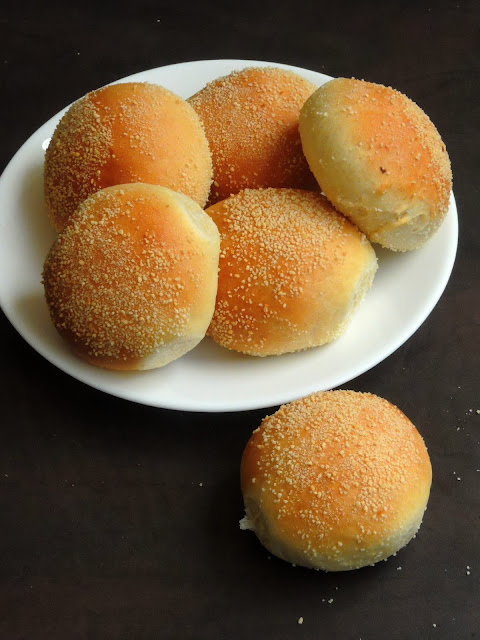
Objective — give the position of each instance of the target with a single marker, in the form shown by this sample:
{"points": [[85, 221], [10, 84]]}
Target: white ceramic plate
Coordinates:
{"points": [[209, 378]]}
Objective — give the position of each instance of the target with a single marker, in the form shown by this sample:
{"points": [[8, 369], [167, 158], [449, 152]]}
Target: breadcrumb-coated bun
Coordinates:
{"points": [[125, 133], [379, 159], [131, 281], [335, 481], [251, 121], [292, 270]]}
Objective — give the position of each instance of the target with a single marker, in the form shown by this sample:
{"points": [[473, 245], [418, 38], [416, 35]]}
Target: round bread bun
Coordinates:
{"points": [[251, 121], [379, 159], [336, 481], [292, 270], [131, 281], [131, 132]]}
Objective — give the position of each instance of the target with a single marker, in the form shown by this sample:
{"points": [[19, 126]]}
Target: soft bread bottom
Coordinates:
{"points": [[174, 349], [358, 556], [358, 294]]}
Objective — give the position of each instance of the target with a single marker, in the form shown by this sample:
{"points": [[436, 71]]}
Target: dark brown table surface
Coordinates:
{"points": [[105, 531]]}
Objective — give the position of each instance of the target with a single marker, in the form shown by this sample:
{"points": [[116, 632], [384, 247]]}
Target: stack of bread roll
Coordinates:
{"points": [[132, 278], [298, 181]]}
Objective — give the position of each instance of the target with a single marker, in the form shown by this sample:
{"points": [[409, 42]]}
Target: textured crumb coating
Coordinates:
{"points": [[125, 133], [336, 481], [131, 281], [251, 122], [379, 159], [292, 270]]}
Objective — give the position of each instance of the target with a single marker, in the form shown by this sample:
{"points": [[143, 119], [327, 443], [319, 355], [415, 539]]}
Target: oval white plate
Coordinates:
{"points": [[209, 378]]}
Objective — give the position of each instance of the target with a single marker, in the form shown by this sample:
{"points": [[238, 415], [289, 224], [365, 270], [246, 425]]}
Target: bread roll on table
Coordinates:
{"points": [[335, 481]]}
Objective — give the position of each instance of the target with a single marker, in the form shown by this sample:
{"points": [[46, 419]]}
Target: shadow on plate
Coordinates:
{"points": [[32, 311], [40, 234]]}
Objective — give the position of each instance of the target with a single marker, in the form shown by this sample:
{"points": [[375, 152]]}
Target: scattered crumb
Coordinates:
{"points": [[399, 568], [200, 484], [300, 620], [458, 478], [245, 524], [478, 411], [330, 601], [434, 625]]}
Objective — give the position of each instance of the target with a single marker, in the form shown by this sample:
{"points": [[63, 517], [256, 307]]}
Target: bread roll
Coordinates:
{"points": [[131, 132], [292, 271], [379, 159], [131, 281], [335, 481], [251, 122]]}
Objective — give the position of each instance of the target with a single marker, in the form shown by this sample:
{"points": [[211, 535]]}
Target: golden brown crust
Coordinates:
{"points": [[131, 281], [291, 271], [125, 133], [336, 480], [251, 121], [379, 159]]}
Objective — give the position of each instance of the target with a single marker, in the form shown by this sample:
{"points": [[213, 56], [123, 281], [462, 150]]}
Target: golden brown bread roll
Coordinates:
{"points": [[379, 159], [130, 132], [336, 481], [251, 121], [131, 281], [292, 270]]}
